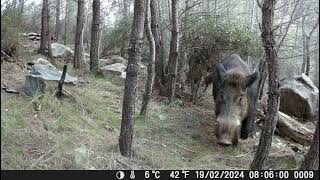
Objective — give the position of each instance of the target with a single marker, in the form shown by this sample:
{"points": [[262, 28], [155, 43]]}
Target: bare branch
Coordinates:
{"points": [[288, 26]]}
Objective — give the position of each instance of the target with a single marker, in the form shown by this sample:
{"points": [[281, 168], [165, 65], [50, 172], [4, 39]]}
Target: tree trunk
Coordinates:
{"points": [[306, 46], [307, 55], [253, 7], [78, 56], [173, 58], [151, 64], [14, 4], [21, 5], [183, 43], [57, 32], [44, 41], [159, 62], [311, 161], [263, 76], [125, 140], [94, 47], [66, 23], [273, 97], [125, 8]]}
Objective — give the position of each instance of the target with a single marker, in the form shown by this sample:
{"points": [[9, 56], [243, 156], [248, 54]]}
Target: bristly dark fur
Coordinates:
{"points": [[235, 79]]}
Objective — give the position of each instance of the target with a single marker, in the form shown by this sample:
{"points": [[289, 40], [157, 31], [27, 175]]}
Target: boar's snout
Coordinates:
{"points": [[227, 133], [224, 142]]}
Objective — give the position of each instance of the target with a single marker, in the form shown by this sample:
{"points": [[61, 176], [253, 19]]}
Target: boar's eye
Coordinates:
{"points": [[221, 97], [240, 99]]}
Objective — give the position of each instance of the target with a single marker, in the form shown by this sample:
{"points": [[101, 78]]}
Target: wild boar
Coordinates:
{"points": [[235, 96]]}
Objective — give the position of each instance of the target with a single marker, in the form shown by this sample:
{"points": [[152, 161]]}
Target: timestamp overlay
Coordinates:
{"points": [[219, 174]]}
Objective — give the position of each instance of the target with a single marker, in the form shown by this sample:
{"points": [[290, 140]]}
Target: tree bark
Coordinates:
{"points": [[311, 161], [78, 55], [44, 41], [173, 58], [66, 23], [94, 47], [151, 64], [159, 62], [273, 97], [21, 4], [306, 47], [125, 140], [57, 31], [307, 56]]}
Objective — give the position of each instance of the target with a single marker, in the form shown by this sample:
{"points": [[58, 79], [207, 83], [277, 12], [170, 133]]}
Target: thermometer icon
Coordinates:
{"points": [[132, 176]]}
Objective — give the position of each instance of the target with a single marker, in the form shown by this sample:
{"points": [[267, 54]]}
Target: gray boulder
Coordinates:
{"points": [[60, 50], [41, 75], [112, 60], [39, 61], [113, 69], [298, 97]]}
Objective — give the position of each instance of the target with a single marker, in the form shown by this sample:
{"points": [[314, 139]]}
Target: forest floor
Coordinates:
{"points": [[81, 131]]}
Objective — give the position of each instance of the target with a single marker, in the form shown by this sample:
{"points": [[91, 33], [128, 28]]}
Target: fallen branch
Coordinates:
{"points": [[10, 90], [184, 148]]}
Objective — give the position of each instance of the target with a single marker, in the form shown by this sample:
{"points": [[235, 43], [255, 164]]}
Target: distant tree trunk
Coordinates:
{"points": [[78, 55], [307, 56], [66, 23], [215, 11], [183, 43], [21, 5], [124, 35], [125, 8], [45, 41], [306, 47], [94, 48], [253, 7], [44, 27], [174, 47], [263, 76], [57, 32], [100, 36], [273, 97], [311, 161], [14, 4], [125, 140], [159, 62], [151, 63]]}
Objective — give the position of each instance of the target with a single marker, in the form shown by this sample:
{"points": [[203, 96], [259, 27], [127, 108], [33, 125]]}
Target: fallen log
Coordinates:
{"points": [[294, 130], [291, 129]]}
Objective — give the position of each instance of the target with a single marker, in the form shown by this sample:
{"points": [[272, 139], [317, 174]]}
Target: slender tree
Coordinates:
{"points": [[94, 48], [58, 24], [125, 140], [66, 22], [45, 41], [78, 55], [306, 46], [174, 47], [159, 62], [21, 4], [273, 97], [311, 161], [151, 63]]}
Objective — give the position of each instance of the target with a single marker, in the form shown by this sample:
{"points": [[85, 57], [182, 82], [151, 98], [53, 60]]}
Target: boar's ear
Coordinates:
{"points": [[251, 78], [221, 71]]}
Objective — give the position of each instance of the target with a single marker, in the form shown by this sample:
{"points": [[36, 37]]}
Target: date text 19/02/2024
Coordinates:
{"points": [[233, 174]]}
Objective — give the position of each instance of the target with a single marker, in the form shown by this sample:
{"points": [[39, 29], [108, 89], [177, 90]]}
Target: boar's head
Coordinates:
{"points": [[232, 102]]}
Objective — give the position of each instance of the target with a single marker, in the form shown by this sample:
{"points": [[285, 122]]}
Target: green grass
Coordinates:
{"points": [[81, 131]]}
